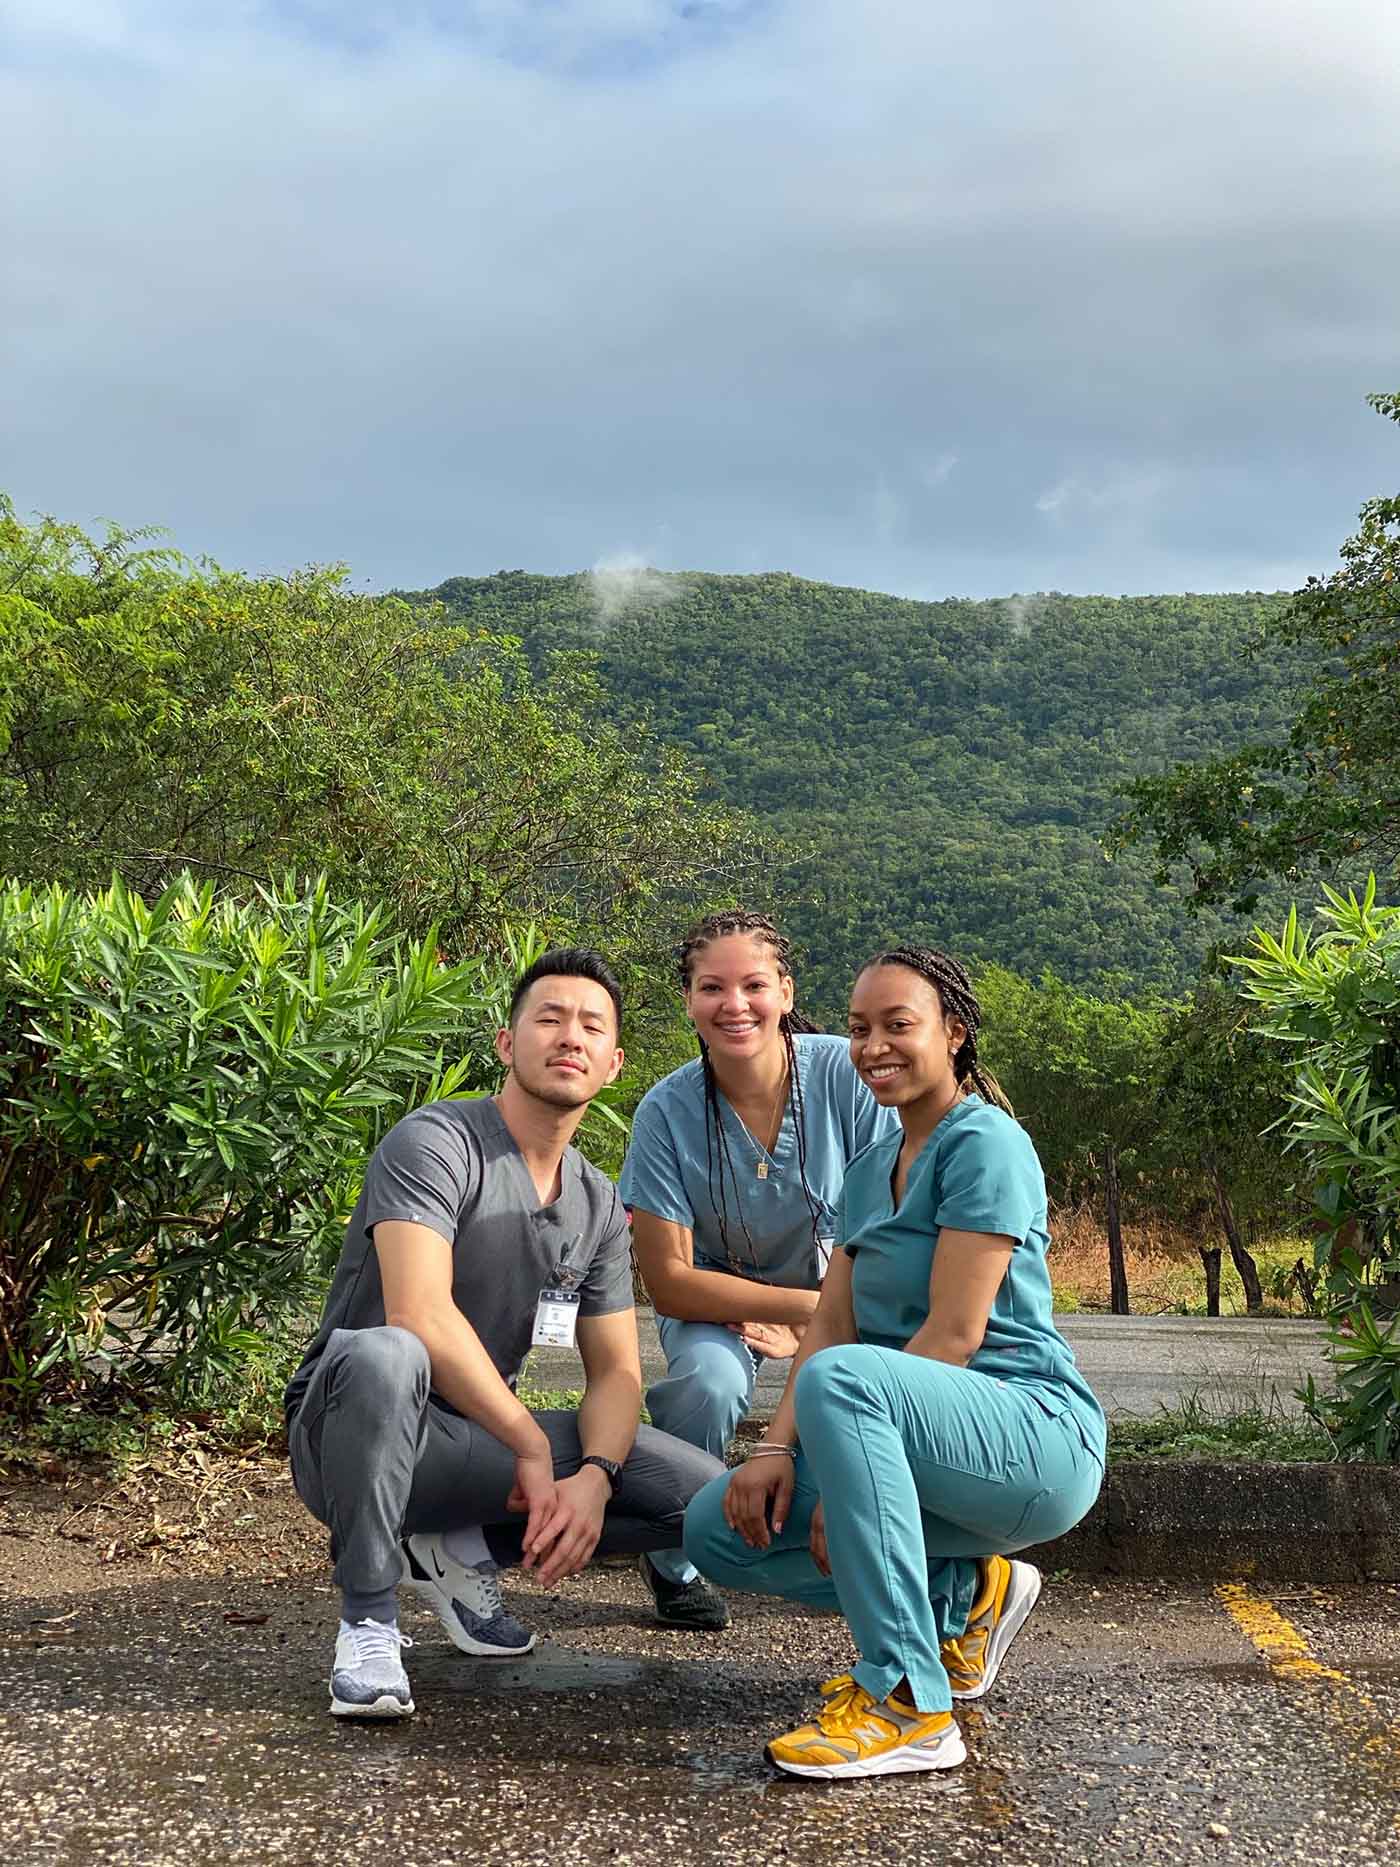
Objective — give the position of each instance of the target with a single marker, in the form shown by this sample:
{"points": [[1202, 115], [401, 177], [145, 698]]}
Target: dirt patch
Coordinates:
{"points": [[73, 1529]]}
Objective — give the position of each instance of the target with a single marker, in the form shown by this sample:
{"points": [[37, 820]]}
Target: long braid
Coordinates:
{"points": [[757, 927], [954, 988]]}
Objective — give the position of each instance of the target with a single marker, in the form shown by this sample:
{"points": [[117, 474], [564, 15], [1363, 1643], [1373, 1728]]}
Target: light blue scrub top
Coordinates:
{"points": [[977, 1172], [666, 1172]]}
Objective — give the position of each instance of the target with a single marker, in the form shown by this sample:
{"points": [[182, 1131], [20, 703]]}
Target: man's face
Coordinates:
{"points": [[563, 1046]]}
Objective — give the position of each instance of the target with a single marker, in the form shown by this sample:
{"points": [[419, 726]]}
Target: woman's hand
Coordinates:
{"points": [[760, 1488], [774, 1340], [818, 1539]]}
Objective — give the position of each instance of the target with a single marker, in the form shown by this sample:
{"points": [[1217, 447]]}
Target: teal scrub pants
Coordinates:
{"points": [[923, 1467]]}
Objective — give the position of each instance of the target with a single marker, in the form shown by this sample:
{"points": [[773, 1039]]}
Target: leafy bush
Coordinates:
{"points": [[157, 714], [189, 1091], [1335, 999]]}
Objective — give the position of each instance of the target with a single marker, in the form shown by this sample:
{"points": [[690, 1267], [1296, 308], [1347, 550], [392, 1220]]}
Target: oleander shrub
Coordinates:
{"points": [[1333, 999], [189, 1090]]}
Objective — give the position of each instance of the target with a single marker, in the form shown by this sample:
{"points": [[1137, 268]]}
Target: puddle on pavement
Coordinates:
{"points": [[746, 1770], [547, 1669], [1119, 1756]]}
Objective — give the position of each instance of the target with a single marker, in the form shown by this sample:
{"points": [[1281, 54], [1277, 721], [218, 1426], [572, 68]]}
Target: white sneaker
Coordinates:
{"points": [[367, 1677], [467, 1600]]}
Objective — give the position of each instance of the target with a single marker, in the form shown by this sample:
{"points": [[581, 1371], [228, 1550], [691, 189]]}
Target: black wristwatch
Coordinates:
{"points": [[610, 1468]]}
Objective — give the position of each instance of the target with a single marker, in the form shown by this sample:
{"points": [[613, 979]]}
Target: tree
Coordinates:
{"points": [[1223, 1090], [1082, 1074], [1328, 794], [158, 715]]}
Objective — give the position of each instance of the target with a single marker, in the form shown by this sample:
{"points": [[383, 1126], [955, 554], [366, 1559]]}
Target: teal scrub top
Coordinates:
{"points": [[673, 1171], [977, 1172]]}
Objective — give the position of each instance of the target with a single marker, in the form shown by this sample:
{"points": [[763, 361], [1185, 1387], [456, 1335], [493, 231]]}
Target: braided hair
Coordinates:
{"points": [[950, 981], [718, 1159]]}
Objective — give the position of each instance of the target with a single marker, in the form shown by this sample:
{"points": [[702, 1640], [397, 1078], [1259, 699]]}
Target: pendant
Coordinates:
{"points": [[763, 1170]]}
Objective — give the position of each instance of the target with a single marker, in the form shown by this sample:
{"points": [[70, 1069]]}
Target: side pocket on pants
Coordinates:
{"points": [[306, 1470]]}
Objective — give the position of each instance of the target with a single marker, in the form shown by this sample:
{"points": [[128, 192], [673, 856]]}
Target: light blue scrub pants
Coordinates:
{"points": [[924, 1467], [707, 1391]]}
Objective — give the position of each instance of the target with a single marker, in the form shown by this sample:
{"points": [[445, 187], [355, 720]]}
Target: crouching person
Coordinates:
{"points": [[480, 1231], [935, 1419]]}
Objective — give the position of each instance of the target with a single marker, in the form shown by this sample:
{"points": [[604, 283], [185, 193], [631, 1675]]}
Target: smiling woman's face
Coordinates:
{"points": [[736, 995], [902, 1046]]}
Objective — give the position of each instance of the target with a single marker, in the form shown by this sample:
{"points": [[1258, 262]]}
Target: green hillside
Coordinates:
{"points": [[931, 770]]}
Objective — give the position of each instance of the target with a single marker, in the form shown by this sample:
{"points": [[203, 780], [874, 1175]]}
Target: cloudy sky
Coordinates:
{"points": [[933, 298]]}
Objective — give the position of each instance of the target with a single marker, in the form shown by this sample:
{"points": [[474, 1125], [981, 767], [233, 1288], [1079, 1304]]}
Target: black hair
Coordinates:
{"points": [[757, 927], [569, 962], [950, 981]]}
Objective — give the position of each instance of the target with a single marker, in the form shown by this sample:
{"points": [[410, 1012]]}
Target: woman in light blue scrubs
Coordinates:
{"points": [[732, 1176], [934, 1418]]}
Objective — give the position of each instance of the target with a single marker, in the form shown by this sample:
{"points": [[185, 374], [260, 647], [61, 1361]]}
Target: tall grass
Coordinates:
{"points": [[1165, 1274]]}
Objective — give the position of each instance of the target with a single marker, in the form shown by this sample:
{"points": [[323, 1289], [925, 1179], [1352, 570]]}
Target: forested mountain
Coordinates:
{"points": [[939, 771]]}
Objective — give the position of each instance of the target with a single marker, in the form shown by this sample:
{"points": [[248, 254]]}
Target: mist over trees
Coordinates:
{"points": [[940, 771]]}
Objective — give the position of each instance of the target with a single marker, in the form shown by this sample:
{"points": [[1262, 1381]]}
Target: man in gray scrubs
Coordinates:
{"points": [[479, 1231]]}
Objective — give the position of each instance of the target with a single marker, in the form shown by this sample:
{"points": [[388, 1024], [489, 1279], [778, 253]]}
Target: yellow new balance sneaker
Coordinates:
{"points": [[1008, 1592], [856, 1735]]}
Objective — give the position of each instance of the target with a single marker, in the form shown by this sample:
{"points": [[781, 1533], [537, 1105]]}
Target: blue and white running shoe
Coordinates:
{"points": [[467, 1600], [367, 1678]]}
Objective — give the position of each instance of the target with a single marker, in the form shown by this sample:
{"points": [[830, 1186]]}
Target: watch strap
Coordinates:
{"points": [[610, 1468]]}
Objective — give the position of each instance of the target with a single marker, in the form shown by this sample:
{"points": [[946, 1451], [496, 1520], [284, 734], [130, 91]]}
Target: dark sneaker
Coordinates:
{"points": [[467, 1600], [692, 1605], [367, 1675]]}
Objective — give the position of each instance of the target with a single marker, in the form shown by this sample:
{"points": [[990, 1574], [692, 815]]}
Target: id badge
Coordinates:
{"points": [[825, 1247], [556, 1318]]}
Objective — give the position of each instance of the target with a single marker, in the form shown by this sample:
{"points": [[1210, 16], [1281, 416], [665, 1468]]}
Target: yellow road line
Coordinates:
{"points": [[1277, 1639], [1369, 1737]]}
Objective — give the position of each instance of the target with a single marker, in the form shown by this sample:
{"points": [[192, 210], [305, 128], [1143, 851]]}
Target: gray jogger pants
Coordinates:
{"points": [[376, 1461]]}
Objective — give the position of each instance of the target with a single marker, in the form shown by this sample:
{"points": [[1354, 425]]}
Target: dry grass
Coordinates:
{"points": [[1165, 1274]]}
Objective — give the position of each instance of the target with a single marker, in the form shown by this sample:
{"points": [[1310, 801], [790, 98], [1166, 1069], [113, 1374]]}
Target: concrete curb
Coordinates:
{"points": [[1217, 1520]]}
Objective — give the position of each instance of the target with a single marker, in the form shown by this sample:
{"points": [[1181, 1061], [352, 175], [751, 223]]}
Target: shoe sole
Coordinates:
{"points": [[947, 1754], [1022, 1593], [691, 1627], [458, 1635], [385, 1706]]}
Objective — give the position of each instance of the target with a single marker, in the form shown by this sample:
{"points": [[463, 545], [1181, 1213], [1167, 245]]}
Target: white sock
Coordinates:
{"points": [[467, 1546]]}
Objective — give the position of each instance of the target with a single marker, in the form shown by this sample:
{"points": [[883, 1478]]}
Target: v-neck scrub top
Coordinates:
{"points": [[667, 1172], [977, 1172], [454, 1166]]}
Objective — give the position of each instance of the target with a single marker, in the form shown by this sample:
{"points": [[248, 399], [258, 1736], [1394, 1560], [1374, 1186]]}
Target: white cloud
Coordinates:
{"points": [[624, 583], [303, 282], [934, 472]]}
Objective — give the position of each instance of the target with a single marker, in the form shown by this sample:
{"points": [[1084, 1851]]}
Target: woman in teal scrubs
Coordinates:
{"points": [[732, 1176], [934, 1418]]}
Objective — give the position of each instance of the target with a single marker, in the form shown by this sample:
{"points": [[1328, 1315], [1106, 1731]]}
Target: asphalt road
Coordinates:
{"points": [[1137, 1365], [177, 1721]]}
